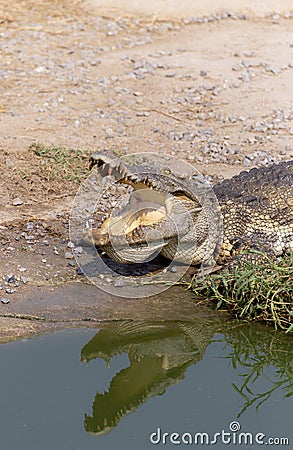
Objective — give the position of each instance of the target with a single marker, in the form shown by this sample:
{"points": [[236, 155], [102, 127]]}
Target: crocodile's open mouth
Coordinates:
{"points": [[123, 235], [138, 230], [146, 207]]}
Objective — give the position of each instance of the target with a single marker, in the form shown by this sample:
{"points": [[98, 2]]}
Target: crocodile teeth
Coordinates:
{"points": [[120, 168]]}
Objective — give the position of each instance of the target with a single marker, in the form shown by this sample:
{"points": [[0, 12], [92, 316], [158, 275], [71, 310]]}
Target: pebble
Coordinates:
{"points": [[70, 244], [109, 132], [143, 113], [276, 16], [5, 300], [10, 278], [24, 280], [118, 283], [245, 76], [9, 291], [17, 201], [68, 255], [78, 250], [272, 69], [246, 161]]}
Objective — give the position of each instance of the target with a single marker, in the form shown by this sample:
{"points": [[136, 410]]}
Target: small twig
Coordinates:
{"points": [[159, 112]]}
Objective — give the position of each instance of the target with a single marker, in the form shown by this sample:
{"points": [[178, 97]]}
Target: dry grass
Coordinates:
{"points": [[59, 163]]}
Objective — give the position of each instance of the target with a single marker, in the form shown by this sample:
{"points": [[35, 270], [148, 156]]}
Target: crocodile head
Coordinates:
{"points": [[161, 210]]}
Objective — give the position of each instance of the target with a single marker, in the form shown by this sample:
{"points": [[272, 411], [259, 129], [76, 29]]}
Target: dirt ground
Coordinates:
{"points": [[210, 85]]}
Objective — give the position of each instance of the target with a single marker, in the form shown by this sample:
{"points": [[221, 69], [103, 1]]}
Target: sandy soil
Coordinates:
{"points": [[193, 8], [213, 89]]}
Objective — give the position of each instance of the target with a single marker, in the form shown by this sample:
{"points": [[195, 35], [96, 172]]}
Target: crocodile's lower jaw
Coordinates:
{"points": [[146, 207], [125, 225]]}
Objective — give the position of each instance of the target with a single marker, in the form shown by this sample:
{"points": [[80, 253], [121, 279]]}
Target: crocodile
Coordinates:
{"points": [[251, 211], [159, 353]]}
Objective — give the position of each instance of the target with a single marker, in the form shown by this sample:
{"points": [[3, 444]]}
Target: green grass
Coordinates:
{"points": [[260, 291], [60, 162], [256, 353]]}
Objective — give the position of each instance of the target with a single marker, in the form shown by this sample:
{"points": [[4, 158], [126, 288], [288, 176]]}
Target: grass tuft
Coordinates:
{"points": [[260, 291], [60, 162]]}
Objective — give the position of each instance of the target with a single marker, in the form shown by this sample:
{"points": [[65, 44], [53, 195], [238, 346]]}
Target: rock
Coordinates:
{"points": [[276, 16], [24, 280], [272, 69], [5, 300], [109, 133], [246, 161], [68, 255], [78, 250], [9, 291], [10, 278], [118, 283], [203, 73], [29, 238], [17, 201], [70, 244], [143, 113]]}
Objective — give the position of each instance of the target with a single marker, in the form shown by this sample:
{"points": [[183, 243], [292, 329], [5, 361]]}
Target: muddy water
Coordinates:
{"points": [[113, 388]]}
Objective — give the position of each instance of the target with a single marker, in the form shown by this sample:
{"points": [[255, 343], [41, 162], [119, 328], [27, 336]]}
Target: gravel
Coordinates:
{"points": [[151, 98]]}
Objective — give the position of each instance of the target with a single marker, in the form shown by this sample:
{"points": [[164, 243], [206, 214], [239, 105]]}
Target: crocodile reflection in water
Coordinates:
{"points": [[159, 355]]}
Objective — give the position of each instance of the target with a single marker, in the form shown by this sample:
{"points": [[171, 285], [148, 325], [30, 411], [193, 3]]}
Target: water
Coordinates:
{"points": [[172, 377]]}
